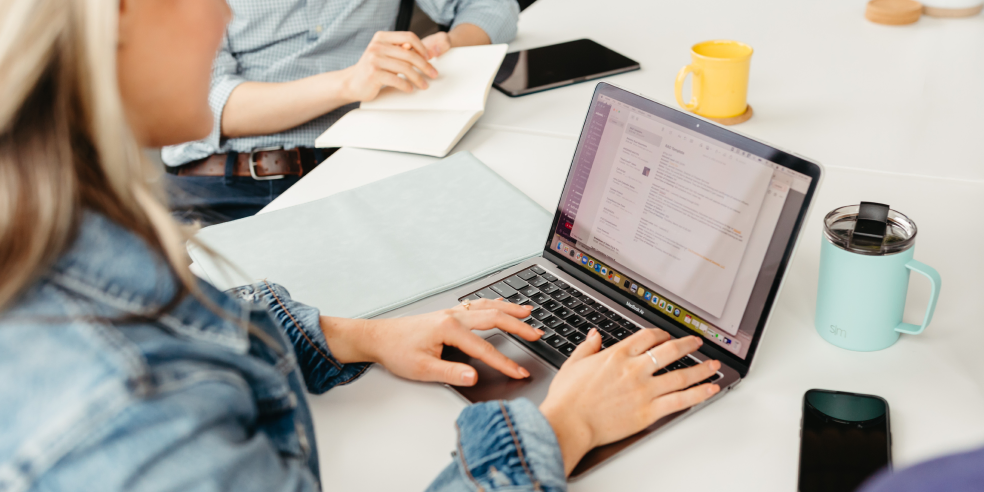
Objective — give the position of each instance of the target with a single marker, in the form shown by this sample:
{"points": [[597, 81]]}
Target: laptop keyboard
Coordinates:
{"points": [[565, 315]]}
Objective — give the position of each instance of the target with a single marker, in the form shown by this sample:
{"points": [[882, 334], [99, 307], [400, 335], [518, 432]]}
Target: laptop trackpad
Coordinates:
{"points": [[493, 385]]}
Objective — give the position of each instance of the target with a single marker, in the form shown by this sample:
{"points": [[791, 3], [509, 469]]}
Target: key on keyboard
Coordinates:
{"points": [[555, 341], [516, 282], [565, 330], [504, 290]]}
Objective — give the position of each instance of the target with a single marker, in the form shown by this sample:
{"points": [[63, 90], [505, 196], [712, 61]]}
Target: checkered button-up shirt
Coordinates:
{"points": [[286, 40]]}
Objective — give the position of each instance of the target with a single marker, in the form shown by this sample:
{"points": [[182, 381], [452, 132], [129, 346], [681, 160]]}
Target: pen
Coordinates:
{"points": [[408, 47]]}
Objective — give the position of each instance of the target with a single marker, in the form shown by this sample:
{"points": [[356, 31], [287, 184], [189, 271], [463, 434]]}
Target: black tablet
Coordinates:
{"points": [[549, 67]]}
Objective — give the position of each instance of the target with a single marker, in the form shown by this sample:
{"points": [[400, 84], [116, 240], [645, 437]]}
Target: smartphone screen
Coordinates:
{"points": [[845, 440], [548, 67]]}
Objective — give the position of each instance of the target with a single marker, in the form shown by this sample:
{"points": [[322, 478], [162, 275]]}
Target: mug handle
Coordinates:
{"points": [[934, 280], [681, 77]]}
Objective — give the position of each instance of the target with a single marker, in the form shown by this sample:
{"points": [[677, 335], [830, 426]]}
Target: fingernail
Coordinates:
{"points": [[715, 365], [499, 299], [593, 332], [468, 377], [699, 341], [539, 332], [713, 389], [529, 308], [524, 372]]}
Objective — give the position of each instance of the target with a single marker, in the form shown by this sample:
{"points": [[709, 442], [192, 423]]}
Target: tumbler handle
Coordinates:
{"points": [[934, 280]]}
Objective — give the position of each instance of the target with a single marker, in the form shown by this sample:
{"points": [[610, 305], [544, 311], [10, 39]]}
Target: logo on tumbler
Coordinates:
{"points": [[838, 331]]}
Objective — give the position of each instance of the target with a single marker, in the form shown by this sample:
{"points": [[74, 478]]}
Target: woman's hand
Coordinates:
{"points": [[411, 347], [601, 397]]}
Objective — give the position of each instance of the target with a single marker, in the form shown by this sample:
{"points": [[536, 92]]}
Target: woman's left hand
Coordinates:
{"points": [[411, 347]]}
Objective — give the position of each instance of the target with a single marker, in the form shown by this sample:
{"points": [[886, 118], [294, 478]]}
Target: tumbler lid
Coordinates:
{"points": [[870, 228]]}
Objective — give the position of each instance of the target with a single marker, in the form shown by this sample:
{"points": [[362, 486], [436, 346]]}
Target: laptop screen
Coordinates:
{"points": [[694, 227]]}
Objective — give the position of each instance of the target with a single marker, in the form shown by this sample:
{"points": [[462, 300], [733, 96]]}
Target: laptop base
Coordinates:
{"points": [[492, 385]]}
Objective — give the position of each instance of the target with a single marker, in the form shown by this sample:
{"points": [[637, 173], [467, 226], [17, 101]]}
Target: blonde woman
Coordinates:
{"points": [[119, 371]]}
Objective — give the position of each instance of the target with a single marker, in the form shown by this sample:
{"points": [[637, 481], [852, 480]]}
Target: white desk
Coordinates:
{"points": [[878, 122]]}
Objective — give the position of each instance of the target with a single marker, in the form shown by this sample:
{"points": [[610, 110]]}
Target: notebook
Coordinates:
{"points": [[430, 121], [372, 249]]}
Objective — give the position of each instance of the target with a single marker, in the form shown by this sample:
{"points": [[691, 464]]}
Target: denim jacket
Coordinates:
{"points": [[105, 384]]}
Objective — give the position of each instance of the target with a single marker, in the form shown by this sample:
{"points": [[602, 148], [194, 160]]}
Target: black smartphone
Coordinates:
{"points": [[548, 67], [845, 439]]}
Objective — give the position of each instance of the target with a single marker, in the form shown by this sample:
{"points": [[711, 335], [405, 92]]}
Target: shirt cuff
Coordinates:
{"points": [[499, 22], [302, 325], [217, 99], [509, 445]]}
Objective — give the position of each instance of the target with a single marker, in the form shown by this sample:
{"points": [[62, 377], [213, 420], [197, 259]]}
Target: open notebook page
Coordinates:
{"points": [[430, 121], [464, 78]]}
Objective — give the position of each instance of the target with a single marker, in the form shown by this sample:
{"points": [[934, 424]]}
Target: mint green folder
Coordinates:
{"points": [[369, 250]]}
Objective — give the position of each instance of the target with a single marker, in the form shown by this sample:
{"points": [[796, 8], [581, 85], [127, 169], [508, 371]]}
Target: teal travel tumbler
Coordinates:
{"points": [[865, 260]]}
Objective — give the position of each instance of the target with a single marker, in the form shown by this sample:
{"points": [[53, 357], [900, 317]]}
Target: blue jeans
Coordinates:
{"points": [[216, 199]]}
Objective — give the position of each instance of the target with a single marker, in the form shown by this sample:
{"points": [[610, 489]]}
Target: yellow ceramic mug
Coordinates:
{"points": [[720, 81]]}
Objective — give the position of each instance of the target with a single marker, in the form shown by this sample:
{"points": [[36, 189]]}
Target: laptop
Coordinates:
{"points": [[666, 220]]}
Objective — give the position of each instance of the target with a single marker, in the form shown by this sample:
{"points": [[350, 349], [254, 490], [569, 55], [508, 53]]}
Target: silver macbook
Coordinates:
{"points": [[666, 220]]}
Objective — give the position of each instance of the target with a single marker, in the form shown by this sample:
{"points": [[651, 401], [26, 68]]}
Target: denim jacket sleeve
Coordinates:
{"points": [[503, 446], [302, 325]]}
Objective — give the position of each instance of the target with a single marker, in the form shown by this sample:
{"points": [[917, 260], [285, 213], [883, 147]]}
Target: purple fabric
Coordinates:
{"points": [[962, 472]]}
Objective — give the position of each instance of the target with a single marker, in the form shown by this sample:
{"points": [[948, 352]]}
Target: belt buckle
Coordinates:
{"points": [[252, 164]]}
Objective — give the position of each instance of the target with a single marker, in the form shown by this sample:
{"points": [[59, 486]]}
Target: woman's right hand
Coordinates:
{"points": [[601, 397]]}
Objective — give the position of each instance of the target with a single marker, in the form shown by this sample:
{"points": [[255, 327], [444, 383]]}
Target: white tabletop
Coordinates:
{"points": [[894, 114]]}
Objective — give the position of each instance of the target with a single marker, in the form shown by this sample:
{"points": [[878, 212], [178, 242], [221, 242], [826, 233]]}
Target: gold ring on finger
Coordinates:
{"points": [[466, 304]]}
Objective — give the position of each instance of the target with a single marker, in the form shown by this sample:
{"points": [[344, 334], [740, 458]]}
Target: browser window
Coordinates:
{"points": [[689, 225]]}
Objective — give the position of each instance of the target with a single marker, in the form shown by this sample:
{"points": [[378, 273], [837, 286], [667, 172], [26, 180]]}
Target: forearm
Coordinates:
{"points": [[347, 338], [260, 108], [468, 35], [573, 439]]}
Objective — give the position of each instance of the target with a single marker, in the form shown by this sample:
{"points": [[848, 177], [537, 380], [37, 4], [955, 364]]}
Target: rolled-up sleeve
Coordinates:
{"points": [[504, 446], [225, 78], [498, 18], [302, 325]]}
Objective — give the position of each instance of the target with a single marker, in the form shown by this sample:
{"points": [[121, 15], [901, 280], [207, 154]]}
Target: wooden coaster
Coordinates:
{"points": [[893, 12], [951, 13], [734, 120]]}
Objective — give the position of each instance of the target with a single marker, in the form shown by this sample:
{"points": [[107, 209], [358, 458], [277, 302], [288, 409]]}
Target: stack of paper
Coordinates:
{"points": [[430, 121]]}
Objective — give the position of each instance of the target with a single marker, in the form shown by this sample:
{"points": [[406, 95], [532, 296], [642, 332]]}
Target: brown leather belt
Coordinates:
{"points": [[261, 164]]}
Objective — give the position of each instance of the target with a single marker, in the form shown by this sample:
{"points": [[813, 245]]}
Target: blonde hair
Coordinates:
{"points": [[65, 145]]}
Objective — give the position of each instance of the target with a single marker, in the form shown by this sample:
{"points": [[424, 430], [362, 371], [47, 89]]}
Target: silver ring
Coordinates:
{"points": [[466, 304], [653, 357]]}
